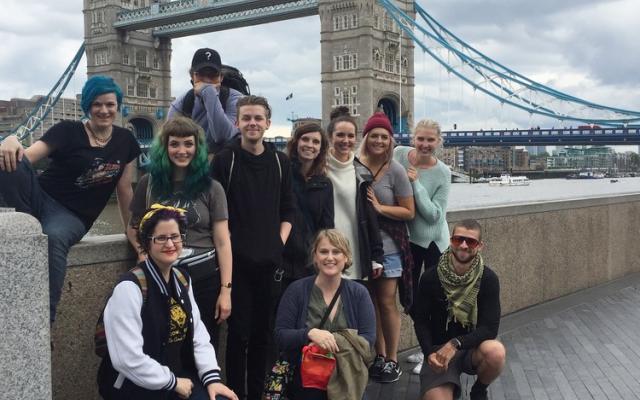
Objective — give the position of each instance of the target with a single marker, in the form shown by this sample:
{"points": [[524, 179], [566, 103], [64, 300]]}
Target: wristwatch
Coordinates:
{"points": [[455, 342], [226, 285]]}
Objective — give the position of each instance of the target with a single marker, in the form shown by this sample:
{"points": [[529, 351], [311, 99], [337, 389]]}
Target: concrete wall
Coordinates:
{"points": [[25, 350], [539, 251]]}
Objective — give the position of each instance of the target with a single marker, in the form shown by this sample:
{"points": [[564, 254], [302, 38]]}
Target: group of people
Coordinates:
{"points": [[264, 241]]}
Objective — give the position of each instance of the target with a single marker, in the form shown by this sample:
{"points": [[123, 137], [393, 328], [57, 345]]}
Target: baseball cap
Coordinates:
{"points": [[206, 58]]}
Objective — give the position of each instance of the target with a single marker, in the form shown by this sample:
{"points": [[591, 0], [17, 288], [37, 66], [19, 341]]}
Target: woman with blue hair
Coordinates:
{"points": [[89, 159], [179, 177]]}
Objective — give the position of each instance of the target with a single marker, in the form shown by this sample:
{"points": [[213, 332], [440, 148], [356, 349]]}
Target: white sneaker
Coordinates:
{"points": [[416, 358], [416, 370]]}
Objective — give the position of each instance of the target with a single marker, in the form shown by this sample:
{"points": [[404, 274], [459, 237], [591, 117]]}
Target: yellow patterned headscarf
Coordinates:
{"points": [[159, 207]]}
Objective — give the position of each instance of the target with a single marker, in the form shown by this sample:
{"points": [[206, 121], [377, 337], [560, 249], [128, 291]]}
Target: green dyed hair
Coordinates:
{"points": [[197, 178]]}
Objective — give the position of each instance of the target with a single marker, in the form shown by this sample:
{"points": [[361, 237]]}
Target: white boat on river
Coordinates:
{"points": [[508, 180]]}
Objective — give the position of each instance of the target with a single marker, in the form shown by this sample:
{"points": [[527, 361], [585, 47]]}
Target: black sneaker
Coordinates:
{"points": [[376, 368], [390, 372], [478, 394]]}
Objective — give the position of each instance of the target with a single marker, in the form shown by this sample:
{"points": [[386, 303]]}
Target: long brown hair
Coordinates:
{"points": [[319, 165]]}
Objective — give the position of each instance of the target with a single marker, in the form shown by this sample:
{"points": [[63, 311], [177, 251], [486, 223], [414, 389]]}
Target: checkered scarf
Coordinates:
{"points": [[461, 291]]}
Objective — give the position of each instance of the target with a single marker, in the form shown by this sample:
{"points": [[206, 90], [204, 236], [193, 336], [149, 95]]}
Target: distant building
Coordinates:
{"points": [[13, 112], [595, 157], [520, 159], [536, 150], [487, 160], [452, 156]]}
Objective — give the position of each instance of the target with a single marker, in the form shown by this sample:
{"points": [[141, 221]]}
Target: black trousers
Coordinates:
{"points": [[206, 292], [250, 329], [428, 258]]}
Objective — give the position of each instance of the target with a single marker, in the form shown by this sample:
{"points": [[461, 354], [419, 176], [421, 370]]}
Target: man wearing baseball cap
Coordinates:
{"points": [[203, 103]]}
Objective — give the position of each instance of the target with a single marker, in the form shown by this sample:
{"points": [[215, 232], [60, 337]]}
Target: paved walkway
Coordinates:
{"points": [[582, 346]]}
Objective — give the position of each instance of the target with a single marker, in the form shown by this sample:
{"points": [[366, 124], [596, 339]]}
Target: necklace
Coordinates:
{"points": [[101, 142]]}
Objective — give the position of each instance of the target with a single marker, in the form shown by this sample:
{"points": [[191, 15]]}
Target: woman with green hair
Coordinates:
{"points": [[179, 177]]}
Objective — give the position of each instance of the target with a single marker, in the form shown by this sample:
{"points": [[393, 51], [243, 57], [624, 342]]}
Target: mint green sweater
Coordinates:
{"points": [[431, 193]]}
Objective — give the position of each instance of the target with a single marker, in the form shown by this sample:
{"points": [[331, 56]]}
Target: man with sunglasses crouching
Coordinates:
{"points": [[457, 319]]}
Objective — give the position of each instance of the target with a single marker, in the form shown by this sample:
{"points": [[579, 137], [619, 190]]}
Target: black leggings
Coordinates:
{"points": [[428, 257], [206, 292]]}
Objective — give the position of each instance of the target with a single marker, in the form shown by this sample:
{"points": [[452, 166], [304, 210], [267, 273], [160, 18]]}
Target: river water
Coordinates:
{"points": [[467, 196]]}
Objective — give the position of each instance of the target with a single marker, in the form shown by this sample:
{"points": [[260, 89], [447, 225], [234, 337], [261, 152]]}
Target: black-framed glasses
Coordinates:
{"points": [[457, 240], [175, 238]]}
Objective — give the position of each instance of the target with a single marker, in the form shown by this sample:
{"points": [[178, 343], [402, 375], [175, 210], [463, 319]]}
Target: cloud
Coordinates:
{"points": [[587, 48]]}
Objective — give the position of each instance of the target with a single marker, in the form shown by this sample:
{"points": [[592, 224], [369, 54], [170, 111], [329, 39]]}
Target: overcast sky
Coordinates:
{"points": [[588, 48]]}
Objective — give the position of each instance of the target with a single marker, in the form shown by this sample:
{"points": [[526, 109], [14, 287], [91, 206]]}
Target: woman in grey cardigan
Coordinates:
{"points": [[306, 300]]}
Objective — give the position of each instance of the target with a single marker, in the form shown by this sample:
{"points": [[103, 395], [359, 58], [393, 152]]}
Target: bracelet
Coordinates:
{"points": [[226, 285]]}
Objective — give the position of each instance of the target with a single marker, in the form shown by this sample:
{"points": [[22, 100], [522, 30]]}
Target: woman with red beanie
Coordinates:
{"points": [[392, 197]]}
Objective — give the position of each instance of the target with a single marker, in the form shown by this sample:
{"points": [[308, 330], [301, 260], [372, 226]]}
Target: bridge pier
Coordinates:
{"points": [[25, 349]]}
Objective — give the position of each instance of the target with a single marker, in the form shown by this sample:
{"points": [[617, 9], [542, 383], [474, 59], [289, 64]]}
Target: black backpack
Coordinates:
{"points": [[231, 79]]}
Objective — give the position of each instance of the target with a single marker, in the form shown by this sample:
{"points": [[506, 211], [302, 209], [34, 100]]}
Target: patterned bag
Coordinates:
{"points": [[277, 381]]}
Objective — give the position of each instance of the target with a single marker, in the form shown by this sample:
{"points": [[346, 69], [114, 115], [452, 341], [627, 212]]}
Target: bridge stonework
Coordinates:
{"points": [[139, 62], [367, 64]]}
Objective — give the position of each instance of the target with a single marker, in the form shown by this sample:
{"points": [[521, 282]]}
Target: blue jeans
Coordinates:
{"points": [[22, 191]]}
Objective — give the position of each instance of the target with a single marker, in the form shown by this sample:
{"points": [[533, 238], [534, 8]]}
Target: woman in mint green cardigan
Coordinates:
{"points": [[431, 181]]}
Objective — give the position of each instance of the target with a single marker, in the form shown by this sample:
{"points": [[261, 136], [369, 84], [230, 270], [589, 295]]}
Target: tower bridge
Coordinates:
{"points": [[366, 63]]}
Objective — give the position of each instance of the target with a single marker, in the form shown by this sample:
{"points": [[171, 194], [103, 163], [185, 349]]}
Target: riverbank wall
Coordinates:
{"points": [[540, 251]]}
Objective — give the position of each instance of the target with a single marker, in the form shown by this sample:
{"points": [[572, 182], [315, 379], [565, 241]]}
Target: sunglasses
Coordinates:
{"points": [[457, 240]]}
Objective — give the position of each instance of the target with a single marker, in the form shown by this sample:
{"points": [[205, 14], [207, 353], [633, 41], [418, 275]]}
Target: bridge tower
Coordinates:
{"points": [[139, 62], [367, 64]]}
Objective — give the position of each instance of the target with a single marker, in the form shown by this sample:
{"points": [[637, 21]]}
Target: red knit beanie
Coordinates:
{"points": [[378, 120]]}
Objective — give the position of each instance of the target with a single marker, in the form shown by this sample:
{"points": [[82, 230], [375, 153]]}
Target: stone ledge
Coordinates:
{"points": [[101, 249], [114, 248], [539, 207]]}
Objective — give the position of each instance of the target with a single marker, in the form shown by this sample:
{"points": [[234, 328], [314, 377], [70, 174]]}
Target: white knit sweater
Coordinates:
{"points": [[343, 178]]}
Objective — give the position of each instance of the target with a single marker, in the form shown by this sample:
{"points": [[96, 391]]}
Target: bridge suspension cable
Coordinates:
{"points": [[499, 82], [46, 104]]}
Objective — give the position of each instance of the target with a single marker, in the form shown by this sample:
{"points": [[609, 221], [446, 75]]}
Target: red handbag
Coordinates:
{"points": [[317, 364], [316, 367]]}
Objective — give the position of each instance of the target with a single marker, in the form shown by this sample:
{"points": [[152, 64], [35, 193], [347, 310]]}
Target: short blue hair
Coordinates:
{"points": [[96, 86]]}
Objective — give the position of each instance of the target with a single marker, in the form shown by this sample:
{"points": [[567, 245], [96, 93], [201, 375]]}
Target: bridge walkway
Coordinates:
{"points": [[581, 346]]}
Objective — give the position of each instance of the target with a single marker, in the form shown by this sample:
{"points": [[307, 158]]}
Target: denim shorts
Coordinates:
{"points": [[392, 266]]}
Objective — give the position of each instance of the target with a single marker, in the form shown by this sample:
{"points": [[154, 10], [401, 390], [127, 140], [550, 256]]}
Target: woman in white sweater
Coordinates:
{"points": [[354, 214]]}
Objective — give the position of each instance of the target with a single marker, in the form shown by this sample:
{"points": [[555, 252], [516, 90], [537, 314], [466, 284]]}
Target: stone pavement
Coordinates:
{"points": [[581, 346]]}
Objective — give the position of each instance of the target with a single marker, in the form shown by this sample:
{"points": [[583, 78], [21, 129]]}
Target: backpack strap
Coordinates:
{"points": [[183, 279], [233, 160], [279, 166], [142, 281], [223, 95], [148, 191], [188, 101]]}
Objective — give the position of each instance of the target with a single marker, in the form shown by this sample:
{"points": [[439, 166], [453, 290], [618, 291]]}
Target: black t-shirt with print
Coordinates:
{"points": [[82, 177], [178, 329]]}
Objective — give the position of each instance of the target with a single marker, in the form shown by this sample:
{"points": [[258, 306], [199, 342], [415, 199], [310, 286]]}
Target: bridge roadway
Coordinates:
{"points": [[540, 137], [189, 17], [578, 347], [527, 137]]}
